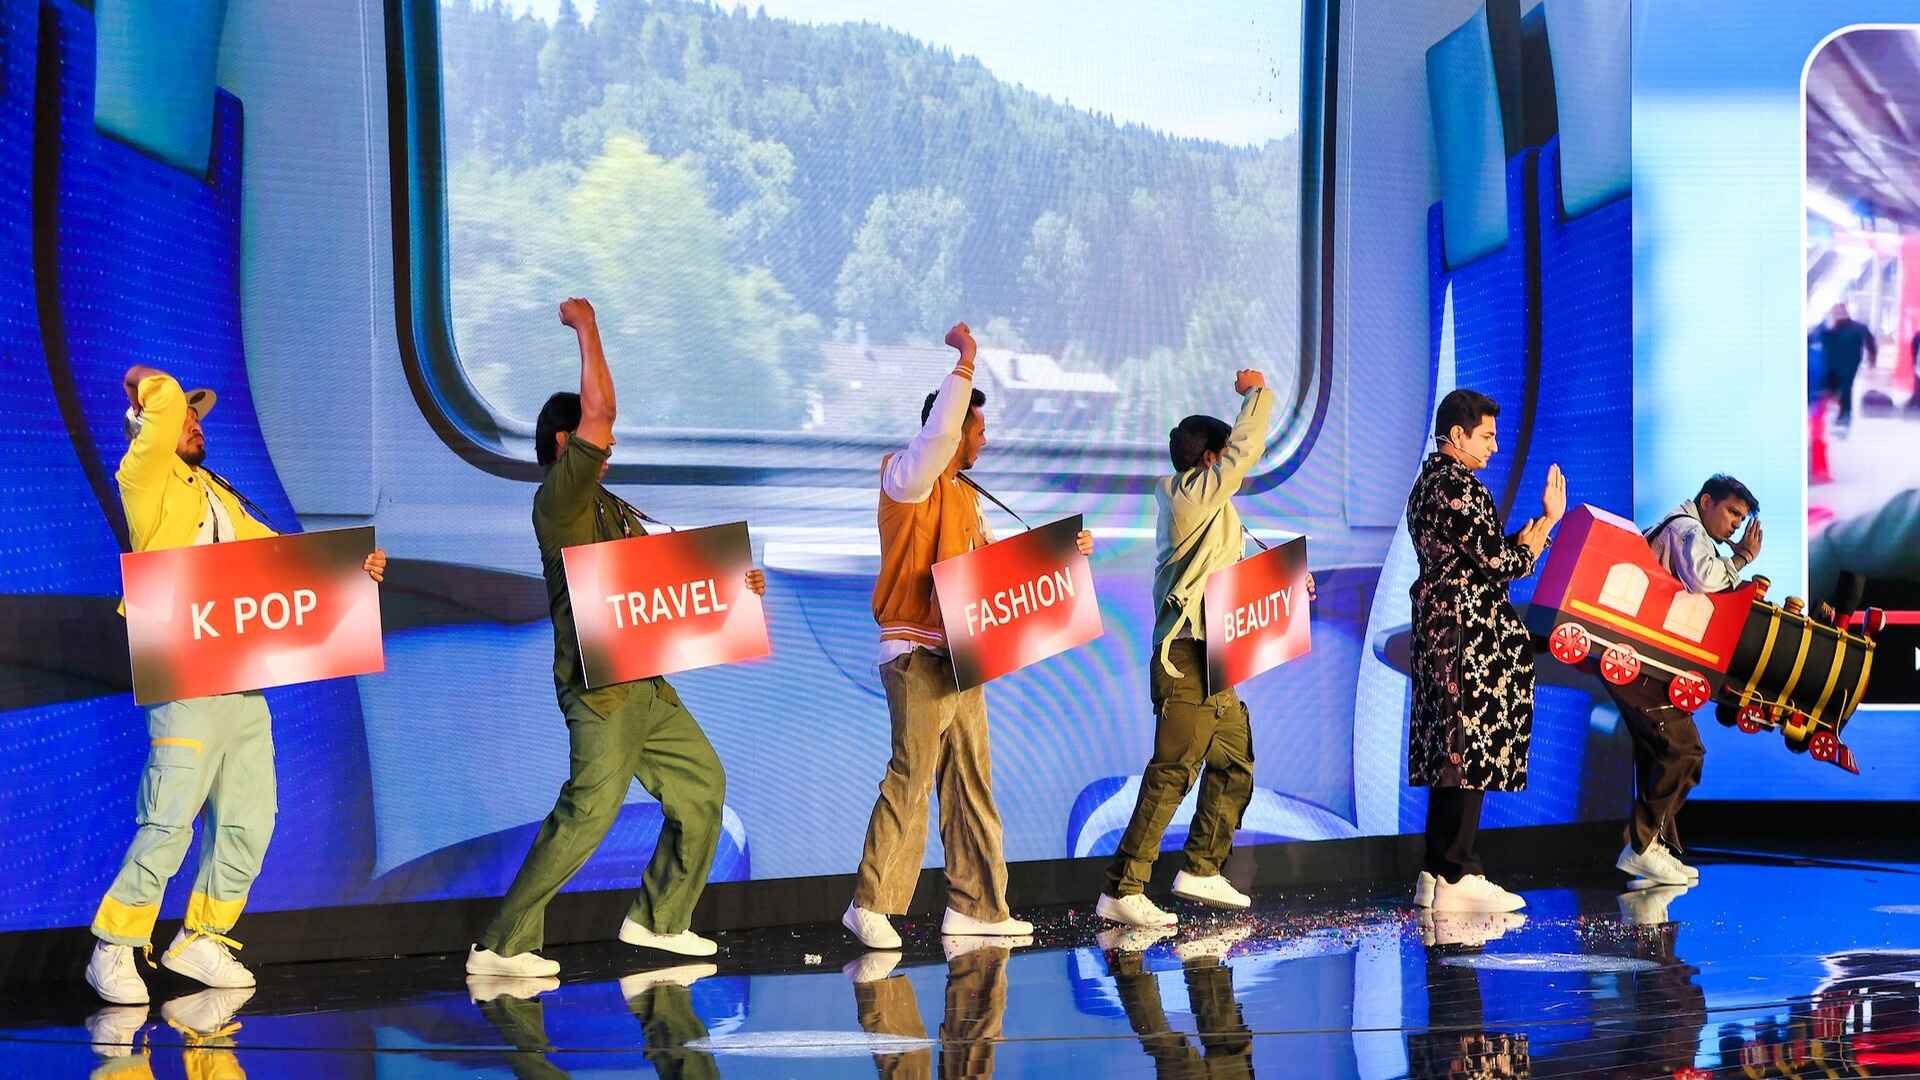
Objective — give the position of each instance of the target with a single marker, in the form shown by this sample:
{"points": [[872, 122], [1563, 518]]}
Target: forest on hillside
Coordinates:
{"points": [[737, 192]]}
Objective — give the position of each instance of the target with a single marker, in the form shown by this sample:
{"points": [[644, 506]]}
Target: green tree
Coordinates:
{"points": [[1054, 273], [672, 314], [569, 79], [902, 276]]}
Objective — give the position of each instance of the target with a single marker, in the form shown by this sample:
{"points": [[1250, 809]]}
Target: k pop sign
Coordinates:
{"points": [[1256, 615], [250, 614], [1016, 602], [654, 605]]}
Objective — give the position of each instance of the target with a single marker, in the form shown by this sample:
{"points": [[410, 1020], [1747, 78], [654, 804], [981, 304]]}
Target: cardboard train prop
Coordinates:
{"points": [[1604, 600]]}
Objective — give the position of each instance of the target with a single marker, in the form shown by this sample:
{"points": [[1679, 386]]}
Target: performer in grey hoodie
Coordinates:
{"points": [[1198, 532]]}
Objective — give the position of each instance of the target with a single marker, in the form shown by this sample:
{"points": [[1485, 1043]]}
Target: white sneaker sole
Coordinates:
{"points": [[890, 943], [1491, 905], [1111, 913], [1640, 870], [241, 981], [1024, 929], [127, 997], [502, 968], [1220, 902], [698, 947], [1423, 888]]}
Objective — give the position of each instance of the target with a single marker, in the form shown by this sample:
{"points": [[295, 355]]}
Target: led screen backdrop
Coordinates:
{"points": [[776, 210]]}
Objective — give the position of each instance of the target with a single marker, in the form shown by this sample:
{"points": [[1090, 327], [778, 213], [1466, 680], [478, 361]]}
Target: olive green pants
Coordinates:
{"points": [[666, 1016], [1191, 730], [649, 737], [1226, 1043]]}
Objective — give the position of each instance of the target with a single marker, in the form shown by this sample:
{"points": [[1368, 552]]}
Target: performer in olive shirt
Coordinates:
{"points": [[617, 734]]}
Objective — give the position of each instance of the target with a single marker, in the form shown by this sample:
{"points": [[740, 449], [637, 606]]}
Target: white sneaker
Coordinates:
{"points": [[112, 975], [1648, 907], [482, 988], [684, 943], [1131, 938], [1214, 946], [871, 966], [205, 1013], [1423, 890], [1135, 910], [1473, 893], [1213, 890], [1654, 864], [526, 965], [954, 924], [113, 1029], [207, 960], [1693, 875], [871, 927], [632, 986], [1471, 929], [955, 946]]}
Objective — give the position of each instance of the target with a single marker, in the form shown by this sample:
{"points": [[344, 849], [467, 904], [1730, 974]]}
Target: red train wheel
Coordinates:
{"points": [[1569, 643], [1620, 665], [1752, 720], [1824, 746], [1689, 691]]}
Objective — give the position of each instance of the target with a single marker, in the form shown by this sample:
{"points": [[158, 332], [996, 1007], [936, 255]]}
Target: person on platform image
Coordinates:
{"points": [[929, 511], [1472, 657], [616, 734], [1844, 344], [214, 752], [1197, 532], [1667, 752]]}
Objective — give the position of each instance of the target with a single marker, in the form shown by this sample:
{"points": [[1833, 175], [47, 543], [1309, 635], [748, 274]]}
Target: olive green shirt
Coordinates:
{"points": [[569, 509]]}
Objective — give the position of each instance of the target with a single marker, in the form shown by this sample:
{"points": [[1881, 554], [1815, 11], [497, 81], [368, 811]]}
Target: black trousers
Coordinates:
{"points": [[1667, 758], [1841, 384], [1453, 828]]}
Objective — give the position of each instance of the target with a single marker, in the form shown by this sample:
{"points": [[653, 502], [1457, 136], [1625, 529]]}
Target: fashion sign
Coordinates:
{"points": [[1016, 602]]}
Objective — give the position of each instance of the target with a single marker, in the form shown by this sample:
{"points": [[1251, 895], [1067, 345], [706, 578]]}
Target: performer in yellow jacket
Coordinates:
{"points": [[216, 751]]}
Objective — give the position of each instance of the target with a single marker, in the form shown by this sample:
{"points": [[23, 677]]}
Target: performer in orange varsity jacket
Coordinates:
{"points": [[929, 512]]}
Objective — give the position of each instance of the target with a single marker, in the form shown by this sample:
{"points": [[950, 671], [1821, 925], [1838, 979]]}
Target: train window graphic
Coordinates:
{"points": [[1604, 601]]}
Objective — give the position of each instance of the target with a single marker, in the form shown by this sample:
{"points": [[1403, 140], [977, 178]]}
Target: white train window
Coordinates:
{"points": [[1689, 616], [1625, 588]]}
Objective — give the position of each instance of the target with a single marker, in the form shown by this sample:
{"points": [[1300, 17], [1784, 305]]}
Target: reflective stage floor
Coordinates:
{"points": [[1773, 965]]}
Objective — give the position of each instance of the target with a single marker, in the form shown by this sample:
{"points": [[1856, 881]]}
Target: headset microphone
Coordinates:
{"points": [[1478, 461]]}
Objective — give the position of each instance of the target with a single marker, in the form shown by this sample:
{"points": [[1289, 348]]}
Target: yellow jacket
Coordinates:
{"points": [[164, 497]]}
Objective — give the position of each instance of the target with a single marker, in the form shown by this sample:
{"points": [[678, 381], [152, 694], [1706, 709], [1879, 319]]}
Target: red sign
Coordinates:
{"points": [[1256, 613], [249, 614], [653, 605], [1016, 602]]}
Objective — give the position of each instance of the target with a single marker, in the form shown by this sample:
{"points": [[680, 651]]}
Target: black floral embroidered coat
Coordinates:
{"points": [[1472, 657]]}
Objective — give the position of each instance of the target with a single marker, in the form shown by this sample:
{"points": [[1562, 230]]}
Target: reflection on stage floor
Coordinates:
{"points": [[1771, 966]]}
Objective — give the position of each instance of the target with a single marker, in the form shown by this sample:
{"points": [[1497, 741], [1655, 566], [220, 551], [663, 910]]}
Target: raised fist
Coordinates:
{"points": [[960, 337], [1248, 379], [131, 382], [576, 312]]}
